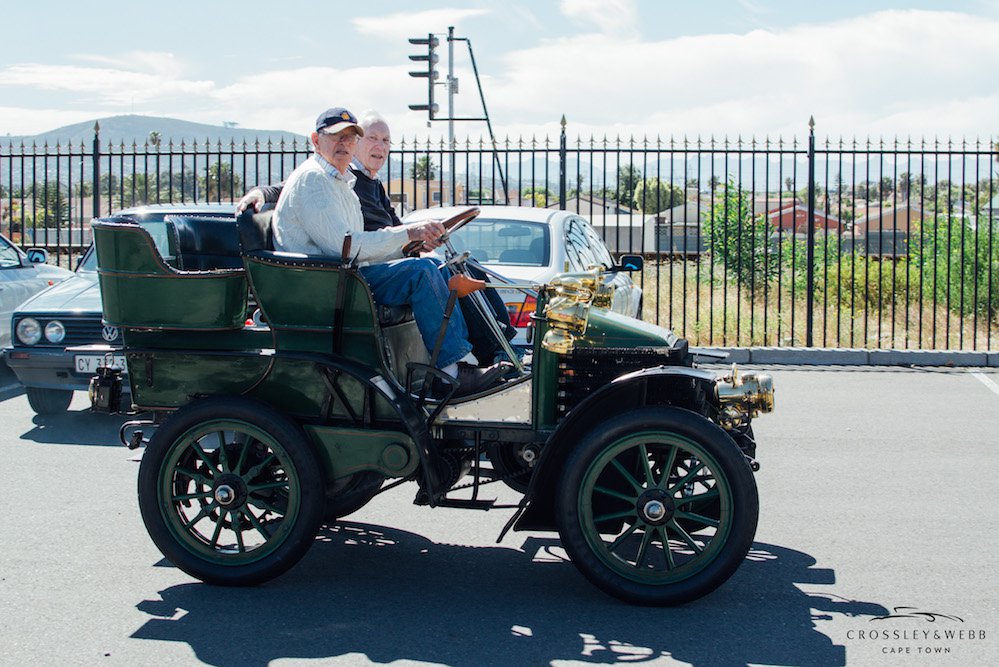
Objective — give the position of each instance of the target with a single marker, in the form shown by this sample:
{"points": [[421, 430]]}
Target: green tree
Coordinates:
{"points": [[109, 184], [51, 206], [959, 264], [653, 195], [424, 169], [220, 183], [887, 186], [739, 241], [628, 177], [904, 185], [542, 197]]}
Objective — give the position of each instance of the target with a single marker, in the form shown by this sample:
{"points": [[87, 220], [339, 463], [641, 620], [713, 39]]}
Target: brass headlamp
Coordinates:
{"points": [[571, 296]]}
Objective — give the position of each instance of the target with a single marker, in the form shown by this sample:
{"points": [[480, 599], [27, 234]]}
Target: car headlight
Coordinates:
{"points": [[29, 331], [55, 331]]}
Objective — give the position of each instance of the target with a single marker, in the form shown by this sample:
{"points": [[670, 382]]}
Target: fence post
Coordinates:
{"points": [[561, 167], [97, 170], [810, 252]]}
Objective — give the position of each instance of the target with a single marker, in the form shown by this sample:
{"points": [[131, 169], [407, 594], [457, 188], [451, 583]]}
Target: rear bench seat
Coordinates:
{"points": [[203, 243], [253, 233]]}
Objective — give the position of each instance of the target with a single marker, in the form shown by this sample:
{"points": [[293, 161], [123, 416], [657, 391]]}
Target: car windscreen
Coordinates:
{"points": [[10, 256], [157, 230], [509, 242]]}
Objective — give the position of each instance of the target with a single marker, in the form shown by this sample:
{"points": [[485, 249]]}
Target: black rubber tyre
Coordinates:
{"points": [[625, 487], [49, 401], [351, 494], [231, 491]]}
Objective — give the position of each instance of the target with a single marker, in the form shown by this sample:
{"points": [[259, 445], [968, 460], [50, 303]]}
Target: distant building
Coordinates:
{"points": [[421, 193], [793, 216], [885, 231]]}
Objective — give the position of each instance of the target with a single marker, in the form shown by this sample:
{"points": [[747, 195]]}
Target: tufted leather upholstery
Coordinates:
{"points": [[204, 242]]}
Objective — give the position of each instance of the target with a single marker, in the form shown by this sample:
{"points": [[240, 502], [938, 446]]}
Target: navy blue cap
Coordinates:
{"points": [[335, 119]]}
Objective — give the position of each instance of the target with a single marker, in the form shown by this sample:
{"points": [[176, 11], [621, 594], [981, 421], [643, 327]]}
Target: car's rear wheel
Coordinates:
{"points": [[49, 401], [231, 491]]}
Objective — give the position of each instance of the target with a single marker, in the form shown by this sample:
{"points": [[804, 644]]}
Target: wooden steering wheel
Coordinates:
{"points": [[452, 224]]}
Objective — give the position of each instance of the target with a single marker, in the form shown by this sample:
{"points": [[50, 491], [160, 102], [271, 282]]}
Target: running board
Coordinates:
{"points": [[466, 504]]}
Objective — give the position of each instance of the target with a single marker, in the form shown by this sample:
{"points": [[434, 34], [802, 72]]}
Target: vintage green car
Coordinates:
{"points": [[284, 397]]}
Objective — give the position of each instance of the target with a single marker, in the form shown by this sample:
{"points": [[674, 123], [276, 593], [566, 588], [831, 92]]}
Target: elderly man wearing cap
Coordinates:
{"points": [[318, 208], [370, 156]]}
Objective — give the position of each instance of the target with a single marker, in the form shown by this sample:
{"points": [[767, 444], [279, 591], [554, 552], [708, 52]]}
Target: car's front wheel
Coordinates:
{"points": [[49, 401], [657, 506]]}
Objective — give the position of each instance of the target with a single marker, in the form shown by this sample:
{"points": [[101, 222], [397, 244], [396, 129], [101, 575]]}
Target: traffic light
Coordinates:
{"points": [[430, 73]]}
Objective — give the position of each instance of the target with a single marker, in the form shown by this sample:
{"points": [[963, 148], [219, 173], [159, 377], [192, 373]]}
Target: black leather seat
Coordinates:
{"points": [[254, 231], [203, 243]]}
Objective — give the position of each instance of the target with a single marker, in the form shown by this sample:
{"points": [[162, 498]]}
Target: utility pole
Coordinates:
{"points": [[452, 89]]}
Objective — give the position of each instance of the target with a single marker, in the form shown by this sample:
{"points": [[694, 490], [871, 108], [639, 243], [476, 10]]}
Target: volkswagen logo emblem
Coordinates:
{"points": [[110, 334]]}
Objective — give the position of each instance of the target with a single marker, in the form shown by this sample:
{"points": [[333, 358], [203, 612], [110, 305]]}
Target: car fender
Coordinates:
{"points": [[647, 386]]}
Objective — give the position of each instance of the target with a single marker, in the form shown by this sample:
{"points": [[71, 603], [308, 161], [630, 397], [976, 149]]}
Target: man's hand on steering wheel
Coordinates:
{"points": [[430, 233]]}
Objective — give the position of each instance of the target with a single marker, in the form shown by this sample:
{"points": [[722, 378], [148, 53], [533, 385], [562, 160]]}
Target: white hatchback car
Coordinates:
{"points": [[21, 276], [525, 244]]}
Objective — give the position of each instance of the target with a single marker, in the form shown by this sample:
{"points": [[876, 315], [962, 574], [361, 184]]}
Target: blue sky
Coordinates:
{"points": [[645, 67]]}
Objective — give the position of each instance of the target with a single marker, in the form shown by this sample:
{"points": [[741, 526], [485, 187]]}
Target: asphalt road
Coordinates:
{"points": [[878, 492]]}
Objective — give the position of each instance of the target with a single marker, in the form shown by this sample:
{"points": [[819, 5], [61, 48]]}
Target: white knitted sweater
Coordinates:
{"points": [[318, 207]]}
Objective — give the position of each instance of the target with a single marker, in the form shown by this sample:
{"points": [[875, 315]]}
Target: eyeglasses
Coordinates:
{"points": [[342, 137], [384, 142]]}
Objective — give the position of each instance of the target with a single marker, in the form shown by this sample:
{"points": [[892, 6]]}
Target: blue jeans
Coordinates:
{"points": [[418, 283], [480, 336]]}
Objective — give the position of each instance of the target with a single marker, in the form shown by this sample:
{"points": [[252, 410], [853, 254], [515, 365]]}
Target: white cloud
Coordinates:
{"points": [[877, 73], [295, 97], [137, 77], [152, 62], [616, 17], [394, 27], [887, 73]]}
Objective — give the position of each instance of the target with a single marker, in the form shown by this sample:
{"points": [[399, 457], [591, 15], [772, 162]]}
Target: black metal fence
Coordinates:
{"points": [[833, 243]]}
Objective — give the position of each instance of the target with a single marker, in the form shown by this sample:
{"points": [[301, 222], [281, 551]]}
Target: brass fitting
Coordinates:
{"points": [[571, 296], [744, 397]]}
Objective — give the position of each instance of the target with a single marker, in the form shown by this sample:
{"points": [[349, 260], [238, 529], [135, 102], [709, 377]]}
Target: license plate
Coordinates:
{"points": [[88, 363]]}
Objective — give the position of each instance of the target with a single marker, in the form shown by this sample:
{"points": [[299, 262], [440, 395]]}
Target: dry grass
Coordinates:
{"points": [[699, 303]]}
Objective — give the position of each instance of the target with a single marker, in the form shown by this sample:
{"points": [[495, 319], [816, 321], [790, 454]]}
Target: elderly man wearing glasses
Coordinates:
{"points": [[318, 208], [370, 155]]}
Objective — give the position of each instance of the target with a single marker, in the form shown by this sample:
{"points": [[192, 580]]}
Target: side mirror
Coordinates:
{"points": [[630, 263], [37, 255]]}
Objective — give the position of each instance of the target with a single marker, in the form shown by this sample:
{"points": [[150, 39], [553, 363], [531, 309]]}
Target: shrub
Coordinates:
{"points": [[960, 264]]}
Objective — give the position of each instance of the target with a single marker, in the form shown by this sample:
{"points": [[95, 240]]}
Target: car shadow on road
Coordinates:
{"points": [[382, 594], [78, 427]]}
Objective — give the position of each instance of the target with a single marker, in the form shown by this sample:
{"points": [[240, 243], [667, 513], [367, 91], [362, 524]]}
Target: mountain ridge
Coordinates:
{"points": [[137, 128]]}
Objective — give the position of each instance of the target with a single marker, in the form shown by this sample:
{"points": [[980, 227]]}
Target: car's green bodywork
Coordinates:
{"points": [[284, 395]]}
